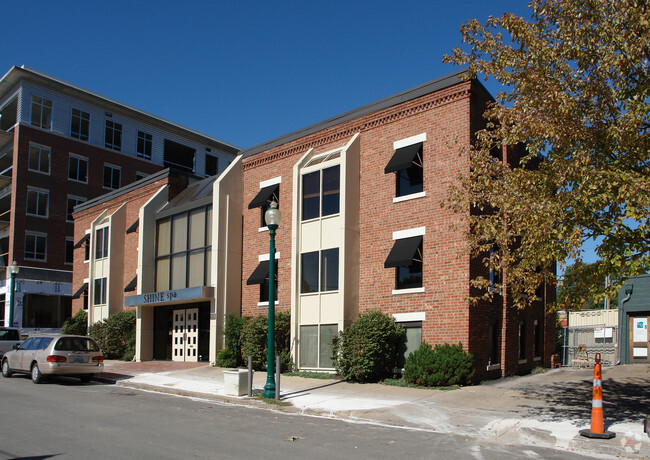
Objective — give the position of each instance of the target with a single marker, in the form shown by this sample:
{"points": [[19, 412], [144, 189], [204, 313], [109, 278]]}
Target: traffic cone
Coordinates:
{"points": [[597, 429]]}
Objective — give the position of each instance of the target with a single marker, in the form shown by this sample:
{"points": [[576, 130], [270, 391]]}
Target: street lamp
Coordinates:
{"points": [[13, 270], [272, 217]]}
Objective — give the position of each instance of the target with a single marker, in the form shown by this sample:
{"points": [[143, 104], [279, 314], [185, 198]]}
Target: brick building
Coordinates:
{"points": [[362, 229], [61, 145]]}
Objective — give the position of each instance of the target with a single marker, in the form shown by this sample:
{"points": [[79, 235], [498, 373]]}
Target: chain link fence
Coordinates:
{"points": [[581, 343]]}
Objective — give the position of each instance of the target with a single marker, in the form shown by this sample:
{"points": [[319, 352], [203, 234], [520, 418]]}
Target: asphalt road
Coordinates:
{"points": [[64, 419]]}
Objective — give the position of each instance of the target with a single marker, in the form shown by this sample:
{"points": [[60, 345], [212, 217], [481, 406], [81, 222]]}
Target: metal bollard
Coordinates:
{"points": [[646, 425], [250, 376], [277, 378]]}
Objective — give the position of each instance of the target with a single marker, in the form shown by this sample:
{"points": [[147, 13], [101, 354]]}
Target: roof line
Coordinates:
{"points": [[432, 86]]}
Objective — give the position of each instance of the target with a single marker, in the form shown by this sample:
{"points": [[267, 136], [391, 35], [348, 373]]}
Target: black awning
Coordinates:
{"points": [[81, 242], [133, 227], [264, 195], [132, 285], [403, 252], [403, 158], [81, 290], [260, 273]]}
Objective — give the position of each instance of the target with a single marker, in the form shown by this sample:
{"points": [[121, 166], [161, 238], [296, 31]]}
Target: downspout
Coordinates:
{"points": [[628, 292]]}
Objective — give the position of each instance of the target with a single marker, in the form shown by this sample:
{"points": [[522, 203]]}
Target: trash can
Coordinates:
{"points": [[235, 382]]}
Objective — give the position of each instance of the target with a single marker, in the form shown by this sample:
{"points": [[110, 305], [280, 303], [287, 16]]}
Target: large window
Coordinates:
{"points": [[35, 246], [411, 341], [79, 124], [99, 297], [537, 339], [113, 136], [72, 202], [101, 243], [319, 271], [316, 345], [37, 202], [69, 251], [178, 156], [406, 258], [41, 112], [39, 159], [321, 193], [493, 343], [522, 340], [183, 249], [78, 169], [211, 165], [145, 145], [261, 276], [112, 177], [264, 198]]}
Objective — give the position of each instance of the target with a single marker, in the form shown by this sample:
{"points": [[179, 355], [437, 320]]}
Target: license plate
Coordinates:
{"points": [[79, 359]]}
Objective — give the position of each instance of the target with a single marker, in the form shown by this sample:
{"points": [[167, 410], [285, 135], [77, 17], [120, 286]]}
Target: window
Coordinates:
{"points": [[522, 340], [411, 340], [113, 136], [140, 175], [264, 198], [211, 165], [112, 177], [183, 249], [316, 345], [37, 202], [41, 112], [406, 258], [35, 246], [99, 297], [261, 276], [407, 165], [178, 156], [493, 343], [319, 271], [39, 159], [537, 339], [79, 124], [321, 192], [72, 202], [101, 243], [144, 146], [78, 169], [69, 251]]}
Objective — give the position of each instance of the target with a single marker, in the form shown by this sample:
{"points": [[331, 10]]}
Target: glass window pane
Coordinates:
{"points": [[179, 233], [197, 268], [208, 267], [162, 274], [412, 341], [208, 226], [309, 274], [163, 237], [311, 195], [179, 271], [327, 333], [331, 190], [329, 270], [308, 346], [197, 228]]}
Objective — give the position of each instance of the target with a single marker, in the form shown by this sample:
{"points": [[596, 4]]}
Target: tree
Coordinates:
{"points": [[578, 97], [569, 289]]}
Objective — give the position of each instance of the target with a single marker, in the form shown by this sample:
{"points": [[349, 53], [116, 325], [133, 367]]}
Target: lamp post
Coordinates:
{"points": [[272, 217], [13, 270]]}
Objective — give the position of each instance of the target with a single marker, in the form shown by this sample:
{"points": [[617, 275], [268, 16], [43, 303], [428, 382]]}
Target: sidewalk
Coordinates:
{"points": [[547, 408]]}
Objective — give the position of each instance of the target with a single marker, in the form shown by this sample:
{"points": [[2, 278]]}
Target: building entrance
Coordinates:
{"points": [[639, 338], [185, 335], [182, 333]]}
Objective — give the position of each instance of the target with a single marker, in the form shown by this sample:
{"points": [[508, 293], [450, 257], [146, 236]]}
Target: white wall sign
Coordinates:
{"points": [[640, 329]]}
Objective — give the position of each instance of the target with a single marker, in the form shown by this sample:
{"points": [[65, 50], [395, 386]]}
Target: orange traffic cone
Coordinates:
{"points": [[597, 429]]}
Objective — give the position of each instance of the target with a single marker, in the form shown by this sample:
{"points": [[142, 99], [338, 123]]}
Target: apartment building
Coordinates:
{"points": [[60, 146]]}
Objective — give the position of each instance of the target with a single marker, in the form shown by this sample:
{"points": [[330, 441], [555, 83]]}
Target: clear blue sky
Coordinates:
{"points": [[243, 72]]}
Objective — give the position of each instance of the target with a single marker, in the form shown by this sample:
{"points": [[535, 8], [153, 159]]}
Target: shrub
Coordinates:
{"points": [[225, 358], [443, 365], [116, 335], [254, 340], [367, 351], [77, 324], [232, 333]]}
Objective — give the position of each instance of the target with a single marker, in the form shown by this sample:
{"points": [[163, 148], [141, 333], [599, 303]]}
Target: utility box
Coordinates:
{"points": [[235, 382]]}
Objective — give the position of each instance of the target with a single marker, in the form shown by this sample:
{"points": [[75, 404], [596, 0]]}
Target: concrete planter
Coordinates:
{"points": [[235, 382]]}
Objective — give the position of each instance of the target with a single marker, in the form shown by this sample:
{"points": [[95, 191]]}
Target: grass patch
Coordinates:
{"points": [[311, 375], [272, 401], [538, 370], [402, 383]]}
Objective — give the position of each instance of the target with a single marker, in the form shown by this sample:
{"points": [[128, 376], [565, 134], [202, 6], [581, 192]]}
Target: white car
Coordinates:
{"points": [[45, 355]]}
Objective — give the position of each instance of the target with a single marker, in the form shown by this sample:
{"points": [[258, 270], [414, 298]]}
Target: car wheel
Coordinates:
{"points": [[6, 370], [37, 377], [85, 378]]}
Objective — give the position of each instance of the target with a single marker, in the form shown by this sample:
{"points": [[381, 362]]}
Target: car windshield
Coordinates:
{"points": [[76, 344]]}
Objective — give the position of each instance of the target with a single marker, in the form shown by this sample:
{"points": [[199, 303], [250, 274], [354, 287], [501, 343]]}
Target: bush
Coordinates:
{"points": [[232, 354], [76, 325], [367, 351], [116, 335], [254, 340], [443, 365], [225, 358]]}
